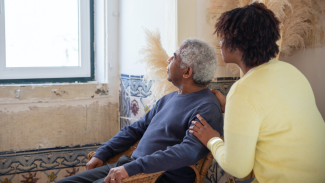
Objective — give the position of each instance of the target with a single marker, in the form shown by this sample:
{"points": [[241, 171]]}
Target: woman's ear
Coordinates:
{"points": [[188, 72]]}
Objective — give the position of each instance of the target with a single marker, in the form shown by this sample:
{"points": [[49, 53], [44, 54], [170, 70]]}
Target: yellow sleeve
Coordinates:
{"points": [[241, 128]]}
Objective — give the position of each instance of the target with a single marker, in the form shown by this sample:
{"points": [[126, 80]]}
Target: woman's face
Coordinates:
{"points": [[230, 56], [222, 50]]}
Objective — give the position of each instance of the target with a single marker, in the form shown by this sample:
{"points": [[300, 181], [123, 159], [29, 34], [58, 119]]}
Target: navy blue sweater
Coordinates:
{"points": [[166, 143]]}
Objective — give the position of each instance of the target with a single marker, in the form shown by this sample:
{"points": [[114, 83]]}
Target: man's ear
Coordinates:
{"points": [[188, 72]]}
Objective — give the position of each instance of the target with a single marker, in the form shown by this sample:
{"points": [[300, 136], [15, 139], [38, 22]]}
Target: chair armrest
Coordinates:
{"points": [[143, 177], [138, 178], [200, 168], [206, 165], [116, 157], [197, 173], [91, 154], [152, 177]]}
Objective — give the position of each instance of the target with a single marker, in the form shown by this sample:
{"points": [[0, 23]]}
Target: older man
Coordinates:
{"points": [[166, 143]]}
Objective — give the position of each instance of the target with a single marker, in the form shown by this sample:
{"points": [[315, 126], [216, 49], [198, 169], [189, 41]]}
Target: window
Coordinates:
{"points": [[46, 41]]}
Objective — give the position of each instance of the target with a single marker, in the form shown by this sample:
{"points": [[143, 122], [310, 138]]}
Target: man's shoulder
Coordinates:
{"points": [[202, 98], [208, 98], [165, 98], [168, 96], [209, 102]]}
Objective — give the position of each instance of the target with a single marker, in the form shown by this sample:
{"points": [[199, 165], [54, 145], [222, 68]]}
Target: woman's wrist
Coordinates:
{"points": [[212, 141]]}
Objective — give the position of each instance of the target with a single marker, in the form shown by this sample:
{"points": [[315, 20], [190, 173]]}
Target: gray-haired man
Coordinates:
{"points": [[166, 143]]}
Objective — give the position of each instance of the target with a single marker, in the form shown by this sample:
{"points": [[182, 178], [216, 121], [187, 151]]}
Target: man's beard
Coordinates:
{"points": [[168, 67], [168, 71]]}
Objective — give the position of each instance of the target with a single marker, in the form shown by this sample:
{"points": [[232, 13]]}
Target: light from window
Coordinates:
{"points": [[42, 39], [41, 33]]}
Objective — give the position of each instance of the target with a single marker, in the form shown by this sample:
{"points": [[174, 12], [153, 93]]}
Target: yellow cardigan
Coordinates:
{"points": [[272, 125]]}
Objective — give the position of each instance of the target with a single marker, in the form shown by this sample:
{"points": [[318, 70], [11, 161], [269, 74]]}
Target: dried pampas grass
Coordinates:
{"points": [[242, 3], [299, 22], [316, 37], [155, 60], [297, 26], [277, 6]]}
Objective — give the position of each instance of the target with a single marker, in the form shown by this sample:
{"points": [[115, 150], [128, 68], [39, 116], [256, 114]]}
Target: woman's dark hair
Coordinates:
{"points": [[253, 29]]}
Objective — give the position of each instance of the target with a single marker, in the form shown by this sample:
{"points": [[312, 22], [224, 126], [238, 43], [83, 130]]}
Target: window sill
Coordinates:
{"points": [[38, 93]]}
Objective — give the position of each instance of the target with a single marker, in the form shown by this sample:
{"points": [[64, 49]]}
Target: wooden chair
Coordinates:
{"points": [[200, 168]]}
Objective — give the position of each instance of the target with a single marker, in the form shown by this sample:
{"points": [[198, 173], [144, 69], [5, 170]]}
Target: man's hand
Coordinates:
{"points": [[116, 175], [221, 98], [203, 131], [94, 163]]}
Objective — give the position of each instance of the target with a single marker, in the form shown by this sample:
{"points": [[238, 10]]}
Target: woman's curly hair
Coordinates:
{"points": [[253, 29]]}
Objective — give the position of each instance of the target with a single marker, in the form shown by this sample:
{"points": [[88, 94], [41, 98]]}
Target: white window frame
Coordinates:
{"points": [[84, 68]]}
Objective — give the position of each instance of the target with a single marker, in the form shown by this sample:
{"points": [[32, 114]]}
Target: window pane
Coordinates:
{"points": [[41, 33]]}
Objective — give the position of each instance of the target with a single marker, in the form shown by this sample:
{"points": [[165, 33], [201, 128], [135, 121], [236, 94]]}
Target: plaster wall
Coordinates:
{"points": [[311, 62], [205, 29], [106, 45], [175, 20], [135, 16], [44, 116], [51, 115]]}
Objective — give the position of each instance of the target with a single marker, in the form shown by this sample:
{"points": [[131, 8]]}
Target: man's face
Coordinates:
{"points": [[174, 71]]}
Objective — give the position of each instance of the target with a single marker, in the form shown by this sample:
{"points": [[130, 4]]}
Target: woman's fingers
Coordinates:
{"points": [[198, 124], [217, 93], [204, 132], [202, 120], [195, 133], [195, 128]]}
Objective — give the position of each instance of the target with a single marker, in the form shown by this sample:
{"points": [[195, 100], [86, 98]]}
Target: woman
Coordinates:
{"points": [[271, 123]]}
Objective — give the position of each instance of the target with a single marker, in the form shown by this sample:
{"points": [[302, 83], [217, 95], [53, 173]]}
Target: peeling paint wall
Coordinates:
{"points": [[43, 116]]}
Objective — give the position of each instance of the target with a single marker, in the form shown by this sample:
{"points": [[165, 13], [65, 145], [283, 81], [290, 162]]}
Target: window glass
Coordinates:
{"points": [[41, 33]]}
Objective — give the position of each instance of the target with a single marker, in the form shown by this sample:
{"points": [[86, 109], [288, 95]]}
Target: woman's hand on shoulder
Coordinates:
{"points": [[221, 98], [203, 131]]}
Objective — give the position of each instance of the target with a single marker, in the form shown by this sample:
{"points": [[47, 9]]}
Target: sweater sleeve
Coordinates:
{"points": [[241, 127], [126, 137], [188, 152]]}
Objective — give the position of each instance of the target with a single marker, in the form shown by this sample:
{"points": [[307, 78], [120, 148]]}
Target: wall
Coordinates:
{"points": [[311, 62], [47, 130], [60, 121], [207, 15], [55, 115], [135, 17]]}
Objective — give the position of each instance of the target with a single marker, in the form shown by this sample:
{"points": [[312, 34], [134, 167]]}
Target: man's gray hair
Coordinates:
{"points": [[201, 56]]}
